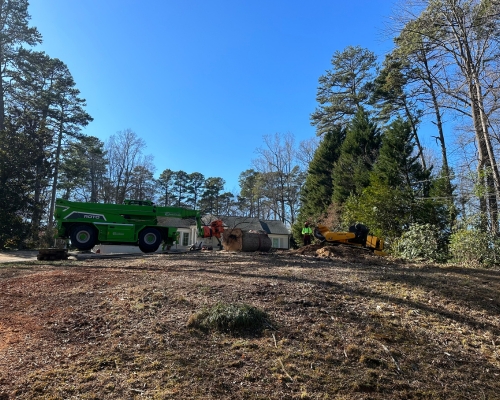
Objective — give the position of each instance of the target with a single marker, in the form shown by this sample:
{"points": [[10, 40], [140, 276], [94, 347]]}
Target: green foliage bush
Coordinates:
{"points": [[231, 318], [47, 237], [383, 209], [13, 231], [473, 248], [421, 242]]}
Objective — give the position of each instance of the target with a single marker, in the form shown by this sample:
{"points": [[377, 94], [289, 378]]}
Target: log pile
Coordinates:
{"points": [[237, 240]]}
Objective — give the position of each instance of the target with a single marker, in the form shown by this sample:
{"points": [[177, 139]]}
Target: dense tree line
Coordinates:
{"points": [[40, 108], [118, 169], [371, 164]]}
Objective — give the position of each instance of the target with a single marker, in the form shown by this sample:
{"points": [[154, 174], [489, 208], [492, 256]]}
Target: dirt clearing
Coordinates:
{"points": [[348, 325]]}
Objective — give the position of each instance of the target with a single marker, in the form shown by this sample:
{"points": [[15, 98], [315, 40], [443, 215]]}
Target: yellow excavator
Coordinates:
{"points": [[358, 235]]}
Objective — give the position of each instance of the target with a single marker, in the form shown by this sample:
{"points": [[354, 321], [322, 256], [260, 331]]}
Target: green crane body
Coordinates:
{"points": [[135, 223]]}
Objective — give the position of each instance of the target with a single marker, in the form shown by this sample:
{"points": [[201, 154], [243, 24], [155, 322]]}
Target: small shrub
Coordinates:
{"points": [[41, 239], [472, 248], [420, 242], [231, 318], [47, 237]]}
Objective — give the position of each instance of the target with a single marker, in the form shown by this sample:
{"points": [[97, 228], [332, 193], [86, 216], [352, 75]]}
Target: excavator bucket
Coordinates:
{"points": [[374, 242]]}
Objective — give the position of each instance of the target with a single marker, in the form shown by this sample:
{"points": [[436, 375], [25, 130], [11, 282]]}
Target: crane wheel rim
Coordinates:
{"points": [[83, 236], [150, 238]]}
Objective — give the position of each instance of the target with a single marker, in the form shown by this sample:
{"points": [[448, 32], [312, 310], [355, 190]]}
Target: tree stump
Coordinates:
{"points": [[238, 240]]}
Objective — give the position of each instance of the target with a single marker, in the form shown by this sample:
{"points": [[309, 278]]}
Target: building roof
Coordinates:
{"points": [[243, 223], [276, 227], [250, 223], [176, 222]]}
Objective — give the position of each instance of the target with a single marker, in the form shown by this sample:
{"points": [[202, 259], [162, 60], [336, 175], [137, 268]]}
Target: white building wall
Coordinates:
{"points": [[279, 241]]}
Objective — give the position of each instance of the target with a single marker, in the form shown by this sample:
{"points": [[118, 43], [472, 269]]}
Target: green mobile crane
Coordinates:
{"points": [[134, 222]]}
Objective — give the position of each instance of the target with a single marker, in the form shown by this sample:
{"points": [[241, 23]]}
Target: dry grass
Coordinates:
{"points": [[351, 326]]}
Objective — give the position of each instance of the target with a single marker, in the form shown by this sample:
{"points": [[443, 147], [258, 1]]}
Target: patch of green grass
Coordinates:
{"points": [[223, 317]]}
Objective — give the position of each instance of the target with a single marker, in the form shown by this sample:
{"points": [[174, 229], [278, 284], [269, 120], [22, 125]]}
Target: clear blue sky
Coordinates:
{"points": [[201, 81]]}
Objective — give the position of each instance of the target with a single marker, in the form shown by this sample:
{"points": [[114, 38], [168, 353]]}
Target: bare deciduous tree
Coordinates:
{"points": [[124, 151], [279, 169], [466, 34]]}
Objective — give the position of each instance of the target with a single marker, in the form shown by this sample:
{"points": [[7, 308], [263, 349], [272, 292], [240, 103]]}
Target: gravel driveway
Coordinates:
{"points": [[13, 256]]}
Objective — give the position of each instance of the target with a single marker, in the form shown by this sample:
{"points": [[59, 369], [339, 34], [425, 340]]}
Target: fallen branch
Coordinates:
{"points": [[390, 355], [284, 370]]}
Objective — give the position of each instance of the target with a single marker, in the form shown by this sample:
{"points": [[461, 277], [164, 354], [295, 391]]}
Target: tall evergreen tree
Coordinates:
{"points": [[14, 33], [210, 201], [165, 183], [393, 94], [83, 169], [316, 194], [180, 187], [396, 165], [18, 171], [196, 182], [46, 88], [358, 153], [397, 195], [344, 88], [250, 191]]}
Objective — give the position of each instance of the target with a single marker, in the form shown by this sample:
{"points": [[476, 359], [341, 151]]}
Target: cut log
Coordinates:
{"points": [[52, 254], [238, 240]]}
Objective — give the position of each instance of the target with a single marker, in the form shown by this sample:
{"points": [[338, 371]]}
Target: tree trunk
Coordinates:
{"points": [[439, 124], [481, 167], [2, 103], [494, 180], [471, 73], [415, 136], [238, 240], [36, 216], [56, 174]]}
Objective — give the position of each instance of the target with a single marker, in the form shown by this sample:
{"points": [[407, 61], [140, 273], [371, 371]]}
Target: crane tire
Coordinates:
{"points": [[83, 237], [149, 240]]}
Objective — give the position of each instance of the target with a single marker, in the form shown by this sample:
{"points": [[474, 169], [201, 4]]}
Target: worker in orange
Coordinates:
{"points": [[306, 234]]}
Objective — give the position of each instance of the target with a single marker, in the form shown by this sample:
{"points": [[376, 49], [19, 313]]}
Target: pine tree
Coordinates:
{"points": [[14, 32], [195, 186], [210, 201], [396, 166], [20, 168], [398, 193], [357, 156], [344, 88], [165, 185], [316, 194], [180, 188], [83, 169]]}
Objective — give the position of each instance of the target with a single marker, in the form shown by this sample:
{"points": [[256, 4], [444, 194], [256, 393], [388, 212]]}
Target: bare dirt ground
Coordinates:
{"points": [[348, 325]]}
